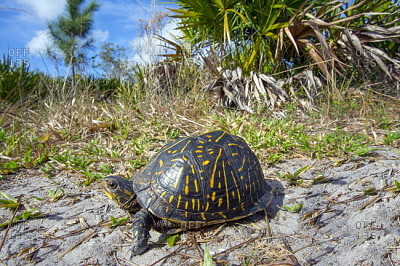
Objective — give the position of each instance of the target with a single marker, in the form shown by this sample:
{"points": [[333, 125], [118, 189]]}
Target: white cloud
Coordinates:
{"points": [[129, 12], [170, 30], [42, 41], [100, 36], [50, 10], [39, 44], [45, 9], [147, 48]]}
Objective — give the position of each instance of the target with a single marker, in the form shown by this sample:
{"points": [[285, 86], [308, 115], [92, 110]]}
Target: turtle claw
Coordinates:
{"points": [[139, 247]]}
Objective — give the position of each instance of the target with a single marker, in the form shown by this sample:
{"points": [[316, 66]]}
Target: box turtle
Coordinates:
{"points": [[192, 182]]}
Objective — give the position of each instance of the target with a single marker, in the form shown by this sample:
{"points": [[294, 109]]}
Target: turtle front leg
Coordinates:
{"points": [[142, 223]]}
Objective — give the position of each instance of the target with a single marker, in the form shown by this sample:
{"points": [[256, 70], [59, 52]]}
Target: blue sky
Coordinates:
{"points": [[24, 27]]}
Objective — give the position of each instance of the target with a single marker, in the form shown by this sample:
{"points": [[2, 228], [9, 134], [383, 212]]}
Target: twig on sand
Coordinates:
{"points": [[88, 236], [370, 202], [292, 257], [390, 259], [194, 242], [170, 254], [8, 227], [31, 254], [124, 260], [188, 120], [241, 244], [74, 232]]}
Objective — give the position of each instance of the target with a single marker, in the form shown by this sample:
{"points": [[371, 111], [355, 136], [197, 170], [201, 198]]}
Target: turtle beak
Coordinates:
{"points": [[108, 194]]}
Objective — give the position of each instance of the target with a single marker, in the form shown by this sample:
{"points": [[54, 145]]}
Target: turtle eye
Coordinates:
{"points": [[112, 184]]}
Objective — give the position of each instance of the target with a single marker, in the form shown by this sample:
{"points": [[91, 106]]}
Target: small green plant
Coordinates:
{"points": [[75, 161], [320, 179], [25, 215], [27, 157], [304, 141], [339, 143], [43, 153], [141, 144], [274, 158], [397, 186], [294, 179], [207, 260], [92, 148], [138, 163], [115, 154], [90, 177], [47, 167], [3, 134], [294, 209], [106, 168], [363, 151], [172, 239], [370, 191], [9, 166], [118, 221], [385, 123], [173, 133], [7, 201], [55, 194], [391, 137], [247, 260]]}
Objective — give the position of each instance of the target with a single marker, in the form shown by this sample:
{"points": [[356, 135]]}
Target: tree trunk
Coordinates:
{"points": [[73, 77]]}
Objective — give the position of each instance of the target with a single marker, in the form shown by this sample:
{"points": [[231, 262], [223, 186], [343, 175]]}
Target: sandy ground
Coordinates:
{"points": [[338, 225]]}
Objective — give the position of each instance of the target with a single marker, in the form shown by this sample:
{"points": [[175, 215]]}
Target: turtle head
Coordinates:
{"points": [[120, 190]]}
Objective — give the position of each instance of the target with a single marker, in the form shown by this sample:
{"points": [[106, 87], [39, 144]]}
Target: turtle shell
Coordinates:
{"points": [[205, 179]]}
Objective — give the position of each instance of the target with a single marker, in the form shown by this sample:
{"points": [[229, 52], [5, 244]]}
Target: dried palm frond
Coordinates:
{"points": [[337, 37], [358, 47], [309, 36], [305, 81], [232, 88], [162, 77], [242, 93], [176, 50]]}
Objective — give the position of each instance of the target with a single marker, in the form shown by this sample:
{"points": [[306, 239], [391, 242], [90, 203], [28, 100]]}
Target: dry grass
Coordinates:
{"points": [[94, 137]]}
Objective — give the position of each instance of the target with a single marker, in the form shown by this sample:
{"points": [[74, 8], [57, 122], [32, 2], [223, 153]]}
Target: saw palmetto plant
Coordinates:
{"points": [[246, 41]]}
